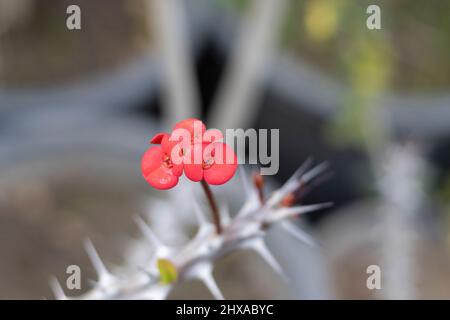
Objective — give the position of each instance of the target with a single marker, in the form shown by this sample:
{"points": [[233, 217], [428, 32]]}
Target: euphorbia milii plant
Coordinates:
{"points": [[204, 158], [190, 148]]}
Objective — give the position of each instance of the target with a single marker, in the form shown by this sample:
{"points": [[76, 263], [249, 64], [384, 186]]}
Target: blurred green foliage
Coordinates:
{"points": [[240, 5], [416, 36], [409, 54]]}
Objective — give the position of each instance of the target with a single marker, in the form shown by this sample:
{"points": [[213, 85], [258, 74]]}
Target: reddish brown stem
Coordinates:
{"points": [[258, 181], [212, 203]]}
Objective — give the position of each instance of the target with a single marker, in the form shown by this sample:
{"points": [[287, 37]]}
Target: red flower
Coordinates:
{"points": [[219, 163], [190, 147], [210, 159], [195, 127], [156, 165]]}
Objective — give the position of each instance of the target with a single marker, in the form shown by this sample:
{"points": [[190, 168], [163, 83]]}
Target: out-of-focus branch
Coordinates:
{"points": [[400, 185], [235, 102], [169, 23]]}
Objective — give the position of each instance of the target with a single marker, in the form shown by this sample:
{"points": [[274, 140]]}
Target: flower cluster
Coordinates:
{"points": [[189, 148]]}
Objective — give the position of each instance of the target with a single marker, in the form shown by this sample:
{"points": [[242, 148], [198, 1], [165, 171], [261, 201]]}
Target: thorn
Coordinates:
{"points": [[288, 200], [301, 170], [211, 284], [203, 272], [250, 206], [260, 247], [205, 275], [286, 212], [298, 233], [304, 189], [58, 291], [296, 180], [102, 273], [205, 226], [160, 250], [314, 172], [147, 232], [243, 241], [202, 235]]}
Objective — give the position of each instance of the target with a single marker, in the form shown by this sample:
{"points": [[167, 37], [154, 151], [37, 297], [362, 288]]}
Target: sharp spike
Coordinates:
{"points": [[57, 289], [300, 171], [160, 250], [202, 235], [251, 204], [102, 273], [314, 172], [307, 188], [203, 272], [204, 229], [209, 281], [283, 213], [298, 233], [260, 247], [251, 195], [296, 180], [147, 232], [244, 241]]}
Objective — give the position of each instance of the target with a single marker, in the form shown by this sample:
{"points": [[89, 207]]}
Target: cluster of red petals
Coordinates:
{"points": [[162, 165]]}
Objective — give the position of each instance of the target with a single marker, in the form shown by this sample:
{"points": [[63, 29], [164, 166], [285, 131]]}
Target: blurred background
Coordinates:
{"points": [[78, 107]]}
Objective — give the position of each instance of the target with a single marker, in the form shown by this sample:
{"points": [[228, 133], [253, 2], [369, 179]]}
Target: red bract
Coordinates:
{"points": [[218, 165], [157, 167], [184, 134], [195, 127], [191, 147]]}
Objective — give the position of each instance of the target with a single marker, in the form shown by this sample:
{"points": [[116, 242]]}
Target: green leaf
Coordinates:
{"points": [[167, 271]]}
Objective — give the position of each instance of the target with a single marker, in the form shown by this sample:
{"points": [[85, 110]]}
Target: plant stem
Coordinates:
{"points": [[258, 181], [212, 203]]}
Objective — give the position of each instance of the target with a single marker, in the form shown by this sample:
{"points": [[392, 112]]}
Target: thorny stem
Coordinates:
{"points": [[195, 253], [288, 200], [212, 203], [258, 182], [291, 198]]}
